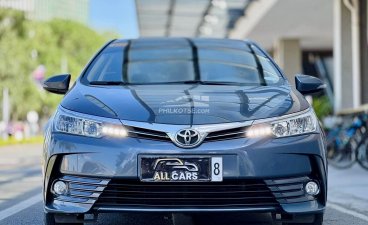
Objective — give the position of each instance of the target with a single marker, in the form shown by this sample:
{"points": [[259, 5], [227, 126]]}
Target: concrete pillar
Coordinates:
{"points": [[343, 80], [288, 55], [350, 53], [363, 35]]}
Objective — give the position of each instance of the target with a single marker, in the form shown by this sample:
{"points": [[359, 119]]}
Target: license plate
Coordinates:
{"points": [[180, 169]]}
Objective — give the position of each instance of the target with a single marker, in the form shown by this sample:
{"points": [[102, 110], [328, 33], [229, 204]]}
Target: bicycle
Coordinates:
{"points": [[344, 139]]}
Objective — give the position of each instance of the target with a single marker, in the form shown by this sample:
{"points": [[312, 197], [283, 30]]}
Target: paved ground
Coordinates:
{"points": [[20, 196], [349, 188]]}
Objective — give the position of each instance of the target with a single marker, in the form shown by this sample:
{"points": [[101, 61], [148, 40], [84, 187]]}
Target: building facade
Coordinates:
{"points": [[27, 6], [63, 9]]}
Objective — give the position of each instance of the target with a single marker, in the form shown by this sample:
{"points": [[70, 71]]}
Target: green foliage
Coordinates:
{"points": [[13, 141], [322, 106], [11, 21], [25, 44]]}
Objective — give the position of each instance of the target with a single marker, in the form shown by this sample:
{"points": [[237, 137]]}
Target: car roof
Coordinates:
{"points": [[185, 42]]}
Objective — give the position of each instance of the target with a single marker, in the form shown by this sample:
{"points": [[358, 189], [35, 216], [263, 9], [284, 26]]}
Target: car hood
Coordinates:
{"points": [[185, 104]]}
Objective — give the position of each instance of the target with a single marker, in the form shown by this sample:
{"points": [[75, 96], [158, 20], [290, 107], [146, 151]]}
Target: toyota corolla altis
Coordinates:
{"points": [[184, 126]]}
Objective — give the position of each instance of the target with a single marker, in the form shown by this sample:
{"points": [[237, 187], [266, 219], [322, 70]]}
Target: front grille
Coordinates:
{"points": [[103, 192], [290, 190], [84, 190], [226, 134], [132, 193], [162, 136], [148, 134]]}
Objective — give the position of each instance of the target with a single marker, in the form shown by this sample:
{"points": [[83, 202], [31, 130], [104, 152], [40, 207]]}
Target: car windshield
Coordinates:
{"points": [[181, 61]]}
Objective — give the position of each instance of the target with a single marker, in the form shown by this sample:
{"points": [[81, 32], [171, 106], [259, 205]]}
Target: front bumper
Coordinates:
{"points": [[88, 194], [280, 166]]}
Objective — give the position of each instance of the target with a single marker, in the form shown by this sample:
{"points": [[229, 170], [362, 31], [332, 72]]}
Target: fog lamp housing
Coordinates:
{"points": [[312, 188], [60, 187]]}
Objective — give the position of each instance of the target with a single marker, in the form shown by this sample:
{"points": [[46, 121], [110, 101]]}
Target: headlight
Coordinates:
{"points": [[290, 125], [86, 125]]}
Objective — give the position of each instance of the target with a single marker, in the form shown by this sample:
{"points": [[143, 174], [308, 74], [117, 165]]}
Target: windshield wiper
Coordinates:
{"points": [[200, 82], [169, 82], [107, 83], [204, 82], [163, 83], [188, 82], [220, 83]]}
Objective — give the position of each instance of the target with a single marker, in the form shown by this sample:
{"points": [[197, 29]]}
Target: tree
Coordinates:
{"points": [[25, 44]]}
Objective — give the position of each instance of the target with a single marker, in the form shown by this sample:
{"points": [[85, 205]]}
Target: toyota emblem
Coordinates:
{"points": [[187, 138]]}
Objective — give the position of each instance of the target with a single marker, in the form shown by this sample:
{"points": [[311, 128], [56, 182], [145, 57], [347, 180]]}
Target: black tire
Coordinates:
{"points": [[49, 219]]}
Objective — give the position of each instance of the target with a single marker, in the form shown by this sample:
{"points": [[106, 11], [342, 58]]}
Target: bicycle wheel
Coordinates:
{"points": [[362, 154], [345, 157], [332, 151]]}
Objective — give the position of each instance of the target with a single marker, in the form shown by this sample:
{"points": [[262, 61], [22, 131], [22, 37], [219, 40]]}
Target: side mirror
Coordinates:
{"points": [[306, 84], [58, 84]]}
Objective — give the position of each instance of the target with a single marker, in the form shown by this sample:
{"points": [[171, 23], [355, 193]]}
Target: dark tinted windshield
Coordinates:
{"points": [[181, 60]]}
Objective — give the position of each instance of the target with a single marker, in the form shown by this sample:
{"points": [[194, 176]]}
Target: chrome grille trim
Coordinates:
{"points": [[227, 134], [289, 190], [85, 190], [167, 132], [147, 134], [224, 135], [172, 129]]}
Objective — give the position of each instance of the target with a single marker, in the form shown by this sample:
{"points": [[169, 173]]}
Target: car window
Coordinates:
{"points": [[106, 67], [228, 65], [138, 54], [227, 56], [271, 74], [147, 71], [227, 72], [151, 64]]}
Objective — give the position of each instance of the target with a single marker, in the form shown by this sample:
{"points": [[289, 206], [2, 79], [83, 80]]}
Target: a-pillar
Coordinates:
{"points": [[288, 55]]}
